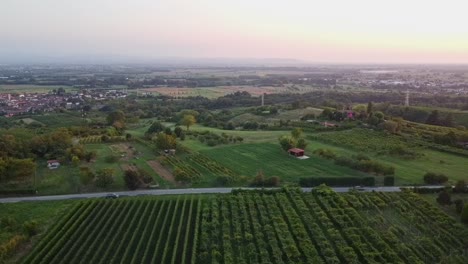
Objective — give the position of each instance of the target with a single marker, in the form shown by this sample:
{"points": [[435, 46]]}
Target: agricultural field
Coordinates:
{"points": [[214, 92], [248, 159], [13, 88], [409, 169], [285, 226]]}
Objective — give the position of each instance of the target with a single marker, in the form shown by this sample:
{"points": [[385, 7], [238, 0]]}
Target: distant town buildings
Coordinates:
{"points": [[12, 104]]}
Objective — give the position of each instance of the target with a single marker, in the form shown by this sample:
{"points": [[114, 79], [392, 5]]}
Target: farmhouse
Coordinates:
{"points": [[53, 164], [296, 152]]}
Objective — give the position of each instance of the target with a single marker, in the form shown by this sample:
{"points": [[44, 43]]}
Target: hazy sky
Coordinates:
{"points": [[357, 31]]}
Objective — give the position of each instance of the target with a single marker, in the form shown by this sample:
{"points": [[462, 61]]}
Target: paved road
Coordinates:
{"points": [[179, 191]]}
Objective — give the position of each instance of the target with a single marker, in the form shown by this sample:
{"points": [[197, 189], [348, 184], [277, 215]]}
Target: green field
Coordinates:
{"points": [[248, 159], [31, 88], [376, 144], [255, 227]]}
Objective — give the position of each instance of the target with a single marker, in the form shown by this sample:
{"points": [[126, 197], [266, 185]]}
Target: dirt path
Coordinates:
{"points": [[161, 171]]}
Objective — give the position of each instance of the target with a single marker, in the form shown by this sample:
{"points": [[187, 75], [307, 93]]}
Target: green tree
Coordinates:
{"points": [[104, 177], [75, 161], [155, 127], [188, 120], [460, 186], [433, 118], [464, 214], [301, 143], [286, 142], [296, 133], [370, 108], [444, 198], [116, 116], [178, 131], [165, 141], [448, 120], [132, 179]]}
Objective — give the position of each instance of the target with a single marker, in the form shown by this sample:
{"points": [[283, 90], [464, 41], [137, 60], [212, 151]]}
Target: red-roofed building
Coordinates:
{"points": [[296, 152]]}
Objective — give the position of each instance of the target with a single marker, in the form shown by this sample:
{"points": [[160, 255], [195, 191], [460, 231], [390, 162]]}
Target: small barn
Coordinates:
{"points": [[296, 152], [53, 164]]}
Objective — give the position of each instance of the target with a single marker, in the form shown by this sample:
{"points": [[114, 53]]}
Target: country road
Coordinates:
{"points": [[182, 191]]}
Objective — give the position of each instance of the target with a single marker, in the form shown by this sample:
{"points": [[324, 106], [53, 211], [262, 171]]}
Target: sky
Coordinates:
{"points": [[331, 31]]}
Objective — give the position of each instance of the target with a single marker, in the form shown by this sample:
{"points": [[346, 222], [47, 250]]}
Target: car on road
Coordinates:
{"points": [[111, 196]]}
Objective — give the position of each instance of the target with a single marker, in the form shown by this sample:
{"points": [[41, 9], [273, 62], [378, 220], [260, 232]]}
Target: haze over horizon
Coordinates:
{"points": [[334, 31]]}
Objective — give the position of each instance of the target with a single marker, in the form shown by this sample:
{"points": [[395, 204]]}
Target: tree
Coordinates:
{"points": [[296, 133], [75, 161], [286, 142], [178, 131], [448, 120], [165, 141], [155, 127], [128, 136], [460, 187], [188, 121], [301, 143], [434, 178], [89, 155], [168, 131], [370, 108], [464, 214], [444, 198], [116, 116], [104, 177], [433, 118], [132, 179], [259, 179]]}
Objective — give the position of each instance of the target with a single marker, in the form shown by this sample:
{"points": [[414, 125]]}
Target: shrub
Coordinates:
{"points": [[325, 153], [211, 142], [444, 198], [434, 178], [31, 228]]}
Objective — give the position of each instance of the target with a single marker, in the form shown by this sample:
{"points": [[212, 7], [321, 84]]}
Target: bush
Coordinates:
{"points": [[211, 142], [444, 198], [104, 177], [434, 178], [31, 228], [325, 153]]}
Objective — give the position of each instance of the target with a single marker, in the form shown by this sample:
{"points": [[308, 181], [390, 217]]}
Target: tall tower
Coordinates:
{"points": [[263, 99], [407, 98]]}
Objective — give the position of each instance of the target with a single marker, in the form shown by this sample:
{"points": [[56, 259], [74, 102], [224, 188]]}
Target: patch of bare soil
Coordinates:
{"points": [[161, 171]]}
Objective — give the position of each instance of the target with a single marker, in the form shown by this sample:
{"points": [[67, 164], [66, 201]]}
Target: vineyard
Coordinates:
{"points": [[256, 227]]}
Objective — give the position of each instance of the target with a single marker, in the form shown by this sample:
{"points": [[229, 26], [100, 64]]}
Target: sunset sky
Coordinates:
{"points": [[332, 31]]}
